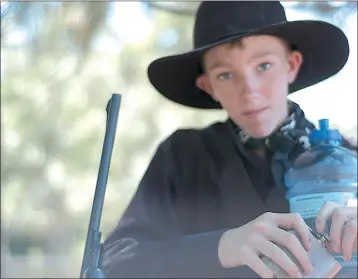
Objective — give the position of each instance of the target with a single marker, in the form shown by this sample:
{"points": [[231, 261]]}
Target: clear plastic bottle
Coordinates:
{"points": [[325, 172]]}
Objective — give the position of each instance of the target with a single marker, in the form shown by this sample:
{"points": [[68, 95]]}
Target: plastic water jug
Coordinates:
{"points": [[325, 172]]}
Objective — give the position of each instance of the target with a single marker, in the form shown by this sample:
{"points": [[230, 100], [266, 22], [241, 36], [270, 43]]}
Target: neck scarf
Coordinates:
{"points": [[286, 143]]}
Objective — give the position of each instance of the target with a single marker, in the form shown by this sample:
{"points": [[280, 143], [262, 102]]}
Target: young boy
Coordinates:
{"points": [[212, 201]]}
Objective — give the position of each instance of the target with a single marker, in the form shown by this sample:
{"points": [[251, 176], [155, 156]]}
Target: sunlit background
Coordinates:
{"points": [[60, 63]]}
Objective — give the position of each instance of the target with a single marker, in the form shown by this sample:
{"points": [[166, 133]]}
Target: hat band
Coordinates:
{"points": [[225, 37]]}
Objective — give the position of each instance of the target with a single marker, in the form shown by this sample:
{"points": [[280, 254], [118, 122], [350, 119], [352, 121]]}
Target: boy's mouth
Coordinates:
{"points": [[253, 112]]}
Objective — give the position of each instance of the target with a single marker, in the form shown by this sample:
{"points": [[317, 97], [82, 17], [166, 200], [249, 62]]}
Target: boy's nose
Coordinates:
{"points": [[250, 87]]}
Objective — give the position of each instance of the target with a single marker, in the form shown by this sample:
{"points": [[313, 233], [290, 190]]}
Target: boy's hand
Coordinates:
{"points": [[244, 245], [343, 231]]}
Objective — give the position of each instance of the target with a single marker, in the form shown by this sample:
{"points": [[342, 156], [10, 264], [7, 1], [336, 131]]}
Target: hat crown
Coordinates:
{"points": [[217, 20]]}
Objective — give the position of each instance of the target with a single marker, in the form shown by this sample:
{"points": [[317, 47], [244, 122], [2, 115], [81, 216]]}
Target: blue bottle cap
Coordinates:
{"points": [[324, 133]]}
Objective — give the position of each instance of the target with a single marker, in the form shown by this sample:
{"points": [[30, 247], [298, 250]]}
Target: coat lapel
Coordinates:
{"points": [[225, 196], [276, 201], [240, 201]]}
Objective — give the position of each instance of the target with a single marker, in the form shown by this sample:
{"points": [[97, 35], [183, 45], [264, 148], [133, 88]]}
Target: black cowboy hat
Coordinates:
{"points": [[324, 47]]}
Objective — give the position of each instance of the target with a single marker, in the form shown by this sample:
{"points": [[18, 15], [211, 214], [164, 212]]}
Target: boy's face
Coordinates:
{"points": [[250, 80]]}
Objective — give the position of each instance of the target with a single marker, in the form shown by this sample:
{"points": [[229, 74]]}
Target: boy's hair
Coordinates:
{"points": [[288, 46], [238, 43]]}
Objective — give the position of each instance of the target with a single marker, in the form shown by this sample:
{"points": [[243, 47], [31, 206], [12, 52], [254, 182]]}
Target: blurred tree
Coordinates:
{"points": [[180, 8], [36, 116], [320, 8]]}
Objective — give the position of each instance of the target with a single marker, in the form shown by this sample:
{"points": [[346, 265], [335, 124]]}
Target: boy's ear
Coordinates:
{"points": [[295, 60], [202, 82]]}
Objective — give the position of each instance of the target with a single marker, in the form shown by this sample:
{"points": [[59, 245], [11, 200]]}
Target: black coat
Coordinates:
{"points": [[196, 187]]}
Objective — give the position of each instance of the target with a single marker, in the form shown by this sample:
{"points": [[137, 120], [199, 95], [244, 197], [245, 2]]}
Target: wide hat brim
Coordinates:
{"points": [[325, 50]]}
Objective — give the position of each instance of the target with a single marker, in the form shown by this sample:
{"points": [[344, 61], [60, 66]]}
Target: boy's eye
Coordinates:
{"points": [[264, 67], [224, 76]]}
